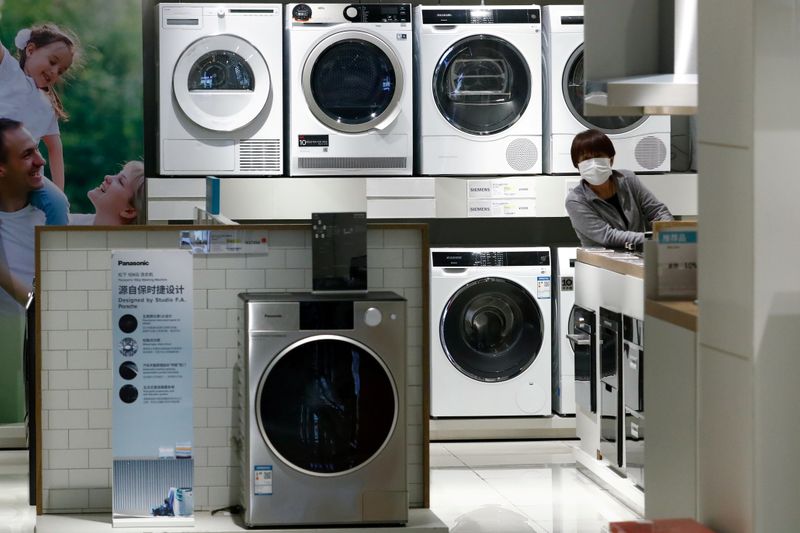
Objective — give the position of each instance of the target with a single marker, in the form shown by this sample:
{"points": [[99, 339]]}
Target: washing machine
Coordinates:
{"points": [[350, 89], [479, 99], [642, 143], [322, 406], [490, 332], [220, 89], [563, 347]]}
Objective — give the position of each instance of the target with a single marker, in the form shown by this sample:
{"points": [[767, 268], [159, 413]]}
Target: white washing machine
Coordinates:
{"points": [[490, 332], [350, 89], [479, 99], [563, 351], [642, 143], [220, 89], [322, 397]]}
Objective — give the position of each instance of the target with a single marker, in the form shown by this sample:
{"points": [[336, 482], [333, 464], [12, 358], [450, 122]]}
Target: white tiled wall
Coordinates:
{"points": [[77, 359]]}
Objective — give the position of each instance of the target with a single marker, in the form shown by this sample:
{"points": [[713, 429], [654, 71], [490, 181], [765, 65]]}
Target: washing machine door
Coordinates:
{"points": [[573, 89], [353, 81], [491, 329], [482, 85], [327, 405], [221, 82]]}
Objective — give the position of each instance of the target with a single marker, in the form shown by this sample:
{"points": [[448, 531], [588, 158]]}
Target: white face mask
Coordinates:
{"points": [[595, 171]]}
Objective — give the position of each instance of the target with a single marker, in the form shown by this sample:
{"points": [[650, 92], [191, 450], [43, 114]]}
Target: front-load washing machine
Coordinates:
{"points": [[490, 332], [350, 89], [322, 405], [563, 324], [642, 143], [220, 89], [479, 99]]}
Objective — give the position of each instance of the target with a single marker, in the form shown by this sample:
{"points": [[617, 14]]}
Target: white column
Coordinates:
{"points": [[749, 334]]}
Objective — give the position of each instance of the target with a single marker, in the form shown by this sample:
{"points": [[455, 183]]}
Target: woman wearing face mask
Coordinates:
{"points": [[609, 208]]}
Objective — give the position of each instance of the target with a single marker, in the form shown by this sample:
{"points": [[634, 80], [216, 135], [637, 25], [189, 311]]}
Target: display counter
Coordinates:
{"points": [[608, 324]]}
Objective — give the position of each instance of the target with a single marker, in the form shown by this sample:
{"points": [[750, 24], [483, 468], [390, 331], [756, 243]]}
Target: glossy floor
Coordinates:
{"points": [[15, 513], [519, 487]]}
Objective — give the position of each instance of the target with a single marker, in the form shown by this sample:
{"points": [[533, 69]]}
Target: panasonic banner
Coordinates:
{"points": [[152, 397]]}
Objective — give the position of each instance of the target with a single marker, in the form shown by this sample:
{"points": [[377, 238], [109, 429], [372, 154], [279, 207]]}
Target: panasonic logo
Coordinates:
{"points": [[273, 316], [133, 263]]}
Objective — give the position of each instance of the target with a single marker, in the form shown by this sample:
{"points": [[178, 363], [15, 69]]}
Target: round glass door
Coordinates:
{"points": [[352, 82], [221, 82], [482, 85], [572, 86], [491, 329], [326, 405]]}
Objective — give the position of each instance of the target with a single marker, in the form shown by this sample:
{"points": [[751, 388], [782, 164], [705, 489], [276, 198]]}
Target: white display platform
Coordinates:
{"points": [[421, 520]]}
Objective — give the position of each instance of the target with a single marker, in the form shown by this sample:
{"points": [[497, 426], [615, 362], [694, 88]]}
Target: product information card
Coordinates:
{"points": [[152, 396]]}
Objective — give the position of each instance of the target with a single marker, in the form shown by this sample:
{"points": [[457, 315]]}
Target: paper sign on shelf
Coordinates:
{"points": [[152, 423], [224, 241], [501, 188], [501, 208]]}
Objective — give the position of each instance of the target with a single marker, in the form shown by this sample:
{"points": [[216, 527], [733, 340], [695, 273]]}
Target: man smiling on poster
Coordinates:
{"points": [[20, 173]]}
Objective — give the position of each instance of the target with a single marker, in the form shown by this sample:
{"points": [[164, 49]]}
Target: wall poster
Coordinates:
{"points": [[152, 401]]}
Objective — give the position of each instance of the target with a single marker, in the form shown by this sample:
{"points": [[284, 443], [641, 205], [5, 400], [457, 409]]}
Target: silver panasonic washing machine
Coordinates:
{"points": [[322, 392]]}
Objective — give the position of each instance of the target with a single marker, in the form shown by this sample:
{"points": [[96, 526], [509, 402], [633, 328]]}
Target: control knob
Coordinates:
{"points": [[301, 12], [350, 12], [373, 317]]}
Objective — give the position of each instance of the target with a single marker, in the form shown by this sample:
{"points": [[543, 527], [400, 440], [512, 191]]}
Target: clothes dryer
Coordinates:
{"points": [[563, 346], [479, 99], [220, 89], [350, 89], [642, 143], [322, 395], [490, 332]]}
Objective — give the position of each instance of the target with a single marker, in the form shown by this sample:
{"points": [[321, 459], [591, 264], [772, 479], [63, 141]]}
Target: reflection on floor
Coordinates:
{"points": [[519, 487], [15, 513]]}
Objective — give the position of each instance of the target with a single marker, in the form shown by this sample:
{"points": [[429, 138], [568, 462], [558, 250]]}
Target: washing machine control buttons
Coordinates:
{"points": [[301, 12], [373, 317], [351, 13]]}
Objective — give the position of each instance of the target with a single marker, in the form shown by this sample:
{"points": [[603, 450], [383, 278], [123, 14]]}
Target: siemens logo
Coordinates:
{"points": [[480, 209], [480, 189], [133, 263]]}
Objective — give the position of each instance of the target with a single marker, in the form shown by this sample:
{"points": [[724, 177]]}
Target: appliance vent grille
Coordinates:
{"points": [[650, 152], [522, 154], [261, 155], [352, 162]]}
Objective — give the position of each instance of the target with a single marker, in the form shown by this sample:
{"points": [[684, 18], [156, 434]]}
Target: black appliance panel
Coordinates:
{"points": [[610, 333], [582, 328], [481, 15], [472, 259], [339, 251], [633, 363]]}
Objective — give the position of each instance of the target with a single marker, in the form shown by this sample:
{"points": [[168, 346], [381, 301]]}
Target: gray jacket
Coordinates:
{"points": [[598, 223]]}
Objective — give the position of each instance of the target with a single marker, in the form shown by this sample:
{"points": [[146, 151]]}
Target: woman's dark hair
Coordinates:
{"points": [[593, 143]]}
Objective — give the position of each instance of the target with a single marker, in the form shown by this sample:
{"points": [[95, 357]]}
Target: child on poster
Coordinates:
{"points": [[28, 94]]}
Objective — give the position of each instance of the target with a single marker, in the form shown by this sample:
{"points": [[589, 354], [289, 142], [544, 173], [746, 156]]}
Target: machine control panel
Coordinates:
{"points": [[356, 13], [378, 13], [490, 259], [481, 15]]}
